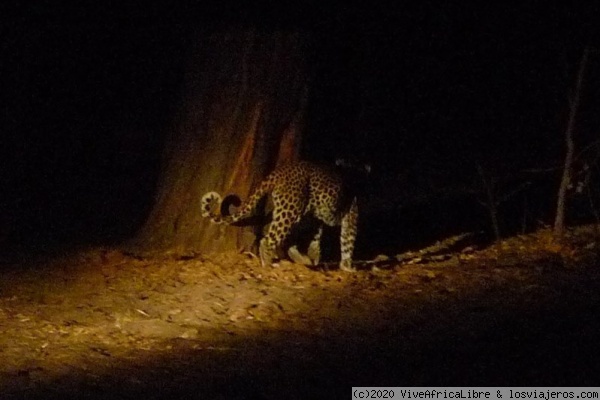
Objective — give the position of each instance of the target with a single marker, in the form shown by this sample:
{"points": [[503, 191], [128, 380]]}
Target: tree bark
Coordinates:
{"points": [[241, 115], [559, 221]]}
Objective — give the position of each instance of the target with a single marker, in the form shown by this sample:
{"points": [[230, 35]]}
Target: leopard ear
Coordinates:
{"points": [[343, 162]]}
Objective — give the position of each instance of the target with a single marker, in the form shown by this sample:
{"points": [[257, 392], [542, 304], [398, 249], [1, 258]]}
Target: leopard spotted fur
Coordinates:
{"points": [[298, 190]]}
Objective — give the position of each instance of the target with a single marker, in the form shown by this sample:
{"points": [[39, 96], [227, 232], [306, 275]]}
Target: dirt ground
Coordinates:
{"points": [[103, 324]]}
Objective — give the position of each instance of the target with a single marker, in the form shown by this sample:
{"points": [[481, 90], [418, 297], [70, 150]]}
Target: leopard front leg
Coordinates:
{"points": [[267, 251], [314, 248], [348, 237]]}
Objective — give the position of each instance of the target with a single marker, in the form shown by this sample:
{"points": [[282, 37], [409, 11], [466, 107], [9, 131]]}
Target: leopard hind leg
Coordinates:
{"points": [[287, 212]]}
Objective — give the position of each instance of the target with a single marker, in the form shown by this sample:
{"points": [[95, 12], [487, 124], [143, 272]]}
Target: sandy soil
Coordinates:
{"points": [[102, 324]]}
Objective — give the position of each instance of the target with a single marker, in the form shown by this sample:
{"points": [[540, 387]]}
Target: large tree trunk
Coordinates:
{"points": [[243, 104]]}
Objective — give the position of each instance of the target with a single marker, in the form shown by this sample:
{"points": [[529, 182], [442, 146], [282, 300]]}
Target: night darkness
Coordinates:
{"points": [[424, 92], [443, 101]]}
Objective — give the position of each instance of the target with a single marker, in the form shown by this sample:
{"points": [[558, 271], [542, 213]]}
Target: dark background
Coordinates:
{"points": [[423, 92]]}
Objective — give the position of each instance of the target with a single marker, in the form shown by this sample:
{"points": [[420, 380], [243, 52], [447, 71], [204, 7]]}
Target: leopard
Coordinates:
{"points": [[299, 190]]}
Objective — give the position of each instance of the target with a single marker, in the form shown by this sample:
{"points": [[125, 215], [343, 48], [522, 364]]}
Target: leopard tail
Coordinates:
{"points": [[212, 200]]}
